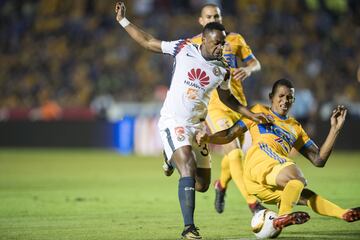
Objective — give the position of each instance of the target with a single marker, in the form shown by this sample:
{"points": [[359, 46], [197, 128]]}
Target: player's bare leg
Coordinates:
{"points": [[203, 177], [185, 163]]}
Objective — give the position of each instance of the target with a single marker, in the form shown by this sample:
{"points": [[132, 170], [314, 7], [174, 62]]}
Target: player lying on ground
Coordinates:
{"points": [[268, 172], [199, 70]]}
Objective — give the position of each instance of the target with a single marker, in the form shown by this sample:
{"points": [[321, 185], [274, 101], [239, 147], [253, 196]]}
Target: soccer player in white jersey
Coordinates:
{"points": [[199, 69]]}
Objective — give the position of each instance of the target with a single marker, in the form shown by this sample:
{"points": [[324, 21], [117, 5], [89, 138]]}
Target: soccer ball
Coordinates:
{"points": [[262, 224]]}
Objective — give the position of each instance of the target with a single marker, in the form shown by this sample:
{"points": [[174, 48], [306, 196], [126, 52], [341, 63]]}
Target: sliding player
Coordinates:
{"points": [[269, 173]]}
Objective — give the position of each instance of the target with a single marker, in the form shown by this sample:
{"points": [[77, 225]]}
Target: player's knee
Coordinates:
{"points": [[298, 178], [202, 184], [290, 173], [283, 180], [301, 179], [201, 187], [296, 174]]}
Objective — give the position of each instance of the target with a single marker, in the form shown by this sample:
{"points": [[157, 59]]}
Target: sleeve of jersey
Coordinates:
{"points": [[242, 124], [245, 122], [303, 141], [173, 48], [244, 51]]}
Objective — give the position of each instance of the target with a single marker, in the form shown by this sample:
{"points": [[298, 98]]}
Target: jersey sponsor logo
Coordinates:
{"points": [[180, 132], [193, 84], [198, 74]]}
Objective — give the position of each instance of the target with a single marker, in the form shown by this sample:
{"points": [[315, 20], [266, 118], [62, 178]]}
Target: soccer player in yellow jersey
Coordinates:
{"points": [[269, 174], [221, 117]]}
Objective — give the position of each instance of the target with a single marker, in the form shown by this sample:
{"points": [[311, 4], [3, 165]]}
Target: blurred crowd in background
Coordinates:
{"points": [[63, 54]]}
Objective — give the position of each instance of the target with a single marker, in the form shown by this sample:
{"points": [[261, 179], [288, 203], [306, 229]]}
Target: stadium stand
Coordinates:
{"points": [[70, 53]]}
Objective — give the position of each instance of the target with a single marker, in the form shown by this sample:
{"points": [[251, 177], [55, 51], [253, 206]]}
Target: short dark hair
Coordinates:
{"points": [[281, 82], [213, 26]]}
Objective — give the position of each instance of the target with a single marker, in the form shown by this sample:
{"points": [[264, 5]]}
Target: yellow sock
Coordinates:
{"points": [[225, 176], [324, 207], [290, 196], [236, 170]]}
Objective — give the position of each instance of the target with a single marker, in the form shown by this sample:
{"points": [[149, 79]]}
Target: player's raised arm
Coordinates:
{"points": [[221, 137], [144, 39], [320, 156], [230, 101]]}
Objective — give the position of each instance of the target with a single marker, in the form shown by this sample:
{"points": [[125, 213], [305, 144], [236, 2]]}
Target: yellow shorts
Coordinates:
{"points": [[262, 166], [220, 118]]}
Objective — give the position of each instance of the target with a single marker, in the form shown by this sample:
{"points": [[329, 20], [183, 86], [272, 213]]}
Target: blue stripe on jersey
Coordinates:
{"points": [[242, 124], [277, 131], [231, 60], [265, 148], [307, 144], [248, 58]]}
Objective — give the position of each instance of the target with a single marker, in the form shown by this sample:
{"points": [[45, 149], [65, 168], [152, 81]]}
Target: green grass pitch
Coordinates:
{"points": [[98, 194]]}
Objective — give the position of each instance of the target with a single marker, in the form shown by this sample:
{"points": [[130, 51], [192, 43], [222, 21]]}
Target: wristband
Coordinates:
{"points": [[124, 22]]}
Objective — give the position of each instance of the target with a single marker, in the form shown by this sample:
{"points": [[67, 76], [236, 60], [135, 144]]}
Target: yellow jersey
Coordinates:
{"points": [[235, 47], [276, 138]]}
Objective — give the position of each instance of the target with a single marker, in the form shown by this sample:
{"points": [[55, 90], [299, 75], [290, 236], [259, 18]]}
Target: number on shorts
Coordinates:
{"points": [[205, 150]]}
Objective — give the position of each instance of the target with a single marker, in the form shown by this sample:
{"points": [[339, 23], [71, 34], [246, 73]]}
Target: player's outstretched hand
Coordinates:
{"points": [[201, 138], [120, 10], [338, 117], [262, 118], [241, 73]]}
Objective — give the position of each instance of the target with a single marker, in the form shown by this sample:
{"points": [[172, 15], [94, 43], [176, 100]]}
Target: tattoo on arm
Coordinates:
{"points": [[312, 153]]}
